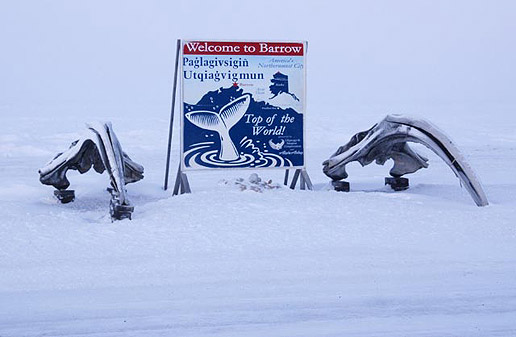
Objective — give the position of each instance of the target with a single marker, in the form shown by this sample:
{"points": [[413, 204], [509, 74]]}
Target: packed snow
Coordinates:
{"points": [[241, 256]]}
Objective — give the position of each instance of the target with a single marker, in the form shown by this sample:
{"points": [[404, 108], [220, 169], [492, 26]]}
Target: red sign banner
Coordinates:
{"points": [[243, 48]]}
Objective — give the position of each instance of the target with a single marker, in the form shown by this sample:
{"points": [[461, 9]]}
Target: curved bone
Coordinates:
{"points": [[111, 154], [81, 156], [388, 139], [100, 149]]}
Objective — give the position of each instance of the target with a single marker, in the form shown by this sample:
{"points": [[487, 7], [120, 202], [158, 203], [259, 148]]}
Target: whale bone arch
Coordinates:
{"points": [[98, 148], [388, 140]]}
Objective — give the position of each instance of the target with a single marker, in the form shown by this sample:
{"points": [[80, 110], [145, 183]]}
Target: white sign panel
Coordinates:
{"points": [[243, 104]]}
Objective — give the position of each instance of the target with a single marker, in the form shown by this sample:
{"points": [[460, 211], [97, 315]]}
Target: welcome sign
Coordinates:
{"points": [[243, 104]]}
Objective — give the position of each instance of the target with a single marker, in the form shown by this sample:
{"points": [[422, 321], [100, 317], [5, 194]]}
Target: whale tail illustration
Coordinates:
{"points": [[221, 122]]}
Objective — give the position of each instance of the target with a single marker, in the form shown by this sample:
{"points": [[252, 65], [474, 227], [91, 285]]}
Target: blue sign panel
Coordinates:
{"points": [[243, 104]]}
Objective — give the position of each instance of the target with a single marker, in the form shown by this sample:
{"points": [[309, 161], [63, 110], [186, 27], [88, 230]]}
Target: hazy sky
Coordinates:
{"points": [[364, 52]]}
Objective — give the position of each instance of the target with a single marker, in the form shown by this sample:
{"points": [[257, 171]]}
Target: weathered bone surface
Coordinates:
{"points": [[101, 150], [388, 140]]}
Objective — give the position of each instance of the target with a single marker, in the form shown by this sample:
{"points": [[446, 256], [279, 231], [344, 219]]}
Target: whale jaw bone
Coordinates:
{"points": [[388, 140]]}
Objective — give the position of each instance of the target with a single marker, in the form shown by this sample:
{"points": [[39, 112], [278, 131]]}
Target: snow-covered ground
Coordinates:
{"points": [[225, 262]]}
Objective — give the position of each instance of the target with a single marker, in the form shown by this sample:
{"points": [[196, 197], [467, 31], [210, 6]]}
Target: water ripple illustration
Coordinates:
{"points": [[206, 154]]}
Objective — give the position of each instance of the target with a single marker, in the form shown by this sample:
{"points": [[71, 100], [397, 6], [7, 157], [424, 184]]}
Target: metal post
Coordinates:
{"points": [[178, 47], [295, 178], [307, 180], [285, 180]]}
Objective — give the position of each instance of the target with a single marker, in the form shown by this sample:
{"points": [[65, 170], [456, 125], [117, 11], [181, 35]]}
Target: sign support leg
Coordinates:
{"points": [[185, 185], [177, 184], [305, 176], [181, 185], [304, 180], [295, 178], [285, 180]]}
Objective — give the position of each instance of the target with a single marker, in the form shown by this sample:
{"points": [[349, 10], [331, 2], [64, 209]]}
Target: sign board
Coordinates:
{"points": [[243, 104]]}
